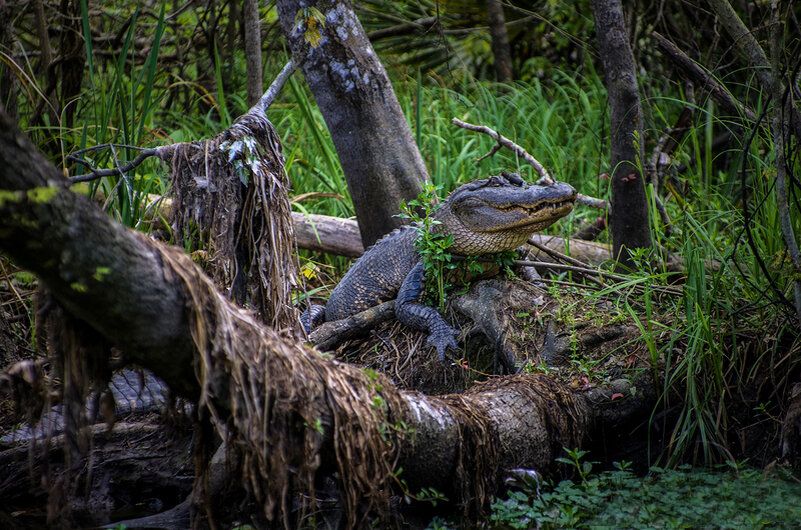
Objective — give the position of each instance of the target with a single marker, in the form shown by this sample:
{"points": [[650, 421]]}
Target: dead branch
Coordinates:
{"points": [[329, 335], [278, 83], [704, 79], [749, 47], [592, 229], [785, 113], [559, 256], [95, 173], [781, 134], [744, 40], [165, 151], [545, 177]]}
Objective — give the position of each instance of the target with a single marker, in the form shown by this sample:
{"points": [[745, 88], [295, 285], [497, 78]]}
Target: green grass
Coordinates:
{"points": [[557, 124]]}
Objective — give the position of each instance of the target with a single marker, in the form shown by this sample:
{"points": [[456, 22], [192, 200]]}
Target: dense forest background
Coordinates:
{"points": [[93, 85]]}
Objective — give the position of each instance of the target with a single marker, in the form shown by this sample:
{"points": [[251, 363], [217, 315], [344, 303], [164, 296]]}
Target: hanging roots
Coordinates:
{"points": [[283, 401], [231, 204]]}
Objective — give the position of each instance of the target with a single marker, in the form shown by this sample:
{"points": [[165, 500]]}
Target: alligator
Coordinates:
{"points": [[487, 216]]}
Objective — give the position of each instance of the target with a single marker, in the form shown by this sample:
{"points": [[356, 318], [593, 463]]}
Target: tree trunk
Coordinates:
{"points": [[500, 41], [629, 208], [8, 86], [234, 18], [292, 412], [72, 60], [381, 162], [100, 264], [252, 52], [44, 40]]}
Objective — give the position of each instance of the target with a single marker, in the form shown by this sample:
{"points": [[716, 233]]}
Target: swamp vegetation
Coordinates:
{"points": [[671, 387]]}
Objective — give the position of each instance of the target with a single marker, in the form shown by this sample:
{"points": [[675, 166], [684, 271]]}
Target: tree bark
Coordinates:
{"points": [[252, 52], [629, 209], [381, 162], [324, 233], [72, 60], [44, 40], [91, 265], [500, 41]]}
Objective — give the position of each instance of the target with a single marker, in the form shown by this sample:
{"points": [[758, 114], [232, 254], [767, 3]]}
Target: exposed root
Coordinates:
{"points": [[283, 401]]}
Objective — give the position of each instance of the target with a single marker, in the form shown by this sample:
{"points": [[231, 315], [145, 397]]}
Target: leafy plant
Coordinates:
{"points": [[574, 458], [686, 497], [432, 246]]}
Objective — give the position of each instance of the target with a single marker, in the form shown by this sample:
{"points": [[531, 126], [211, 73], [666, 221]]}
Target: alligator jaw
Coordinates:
{"points": [[505, 208], [533, 218]]}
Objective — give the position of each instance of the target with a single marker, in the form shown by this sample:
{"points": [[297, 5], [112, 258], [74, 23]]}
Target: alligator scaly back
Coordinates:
{"points": [[376, 276]]}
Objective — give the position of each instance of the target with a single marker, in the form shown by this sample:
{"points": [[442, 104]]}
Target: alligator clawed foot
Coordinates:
{"points": [[442, 340]]}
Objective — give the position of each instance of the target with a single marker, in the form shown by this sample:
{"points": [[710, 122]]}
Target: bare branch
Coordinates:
{"points": [[329, 335], [749, 47], [704, 79], [744, 41], [276, 86], [506, 142], [545, 177], [144, 154]]}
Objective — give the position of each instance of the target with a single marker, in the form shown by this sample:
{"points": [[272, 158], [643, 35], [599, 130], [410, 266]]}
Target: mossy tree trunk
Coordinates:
{"points": [[379, 157]]}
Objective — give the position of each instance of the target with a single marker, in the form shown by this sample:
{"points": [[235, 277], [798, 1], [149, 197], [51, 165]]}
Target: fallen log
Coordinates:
{"points": [[292, 413], [325, 233], [340, 236]]}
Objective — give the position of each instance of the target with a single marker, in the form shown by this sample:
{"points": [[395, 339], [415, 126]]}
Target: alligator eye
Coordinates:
{"points": [[470, 202]]}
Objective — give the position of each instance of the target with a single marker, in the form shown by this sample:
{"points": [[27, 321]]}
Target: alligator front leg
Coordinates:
{"points": [[312, 317], [410, 311]]}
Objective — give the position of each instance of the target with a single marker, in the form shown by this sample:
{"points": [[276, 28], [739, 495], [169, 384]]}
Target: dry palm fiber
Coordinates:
{"points": [[231, 202]]}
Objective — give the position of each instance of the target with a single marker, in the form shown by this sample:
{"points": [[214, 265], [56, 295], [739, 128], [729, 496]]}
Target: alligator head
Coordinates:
{"points": [[500, 213]]}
